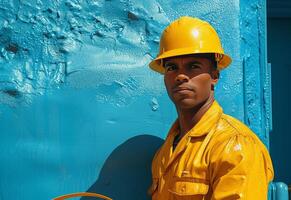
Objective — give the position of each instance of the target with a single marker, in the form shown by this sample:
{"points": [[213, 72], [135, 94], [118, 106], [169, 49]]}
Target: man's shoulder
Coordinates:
{"points": [[230, 126], [233, 133], [234, 123]]}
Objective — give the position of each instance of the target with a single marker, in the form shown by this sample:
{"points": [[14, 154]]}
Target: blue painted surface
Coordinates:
{"points": [[278, 191], [81, 111], [279, 43], [256, 72]]}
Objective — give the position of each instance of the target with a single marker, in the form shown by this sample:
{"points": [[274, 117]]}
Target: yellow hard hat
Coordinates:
{"points": [[188, 35]]}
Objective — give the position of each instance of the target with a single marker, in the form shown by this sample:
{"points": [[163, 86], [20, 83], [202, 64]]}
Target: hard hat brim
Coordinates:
{"points": [[157, 66]]}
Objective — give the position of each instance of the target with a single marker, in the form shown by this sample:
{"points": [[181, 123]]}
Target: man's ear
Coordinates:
{"points": [[215, 77]]}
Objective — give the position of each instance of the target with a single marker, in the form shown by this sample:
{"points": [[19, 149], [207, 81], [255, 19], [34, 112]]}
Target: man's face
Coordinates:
{"points": [[189, 80]]}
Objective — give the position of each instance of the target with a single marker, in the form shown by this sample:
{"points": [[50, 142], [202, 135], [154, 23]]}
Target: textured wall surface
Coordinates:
{"points": [[256, 72], [79, 109]]}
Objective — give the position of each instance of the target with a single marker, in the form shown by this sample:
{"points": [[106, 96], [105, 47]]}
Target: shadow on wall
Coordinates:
{"points": [[126, 173]]}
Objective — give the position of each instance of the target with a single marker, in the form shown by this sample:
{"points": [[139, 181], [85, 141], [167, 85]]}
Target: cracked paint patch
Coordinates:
{"points": [[40, 42], [154, 104]]}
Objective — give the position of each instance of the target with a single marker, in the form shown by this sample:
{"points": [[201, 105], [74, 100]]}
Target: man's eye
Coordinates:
{"points": [[194, 66], [170, 67]]}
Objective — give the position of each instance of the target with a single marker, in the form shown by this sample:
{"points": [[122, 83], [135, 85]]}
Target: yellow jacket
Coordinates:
{"points": [[218, 159]]}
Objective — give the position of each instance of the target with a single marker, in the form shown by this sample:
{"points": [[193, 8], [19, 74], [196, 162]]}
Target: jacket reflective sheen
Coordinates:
{"points": [[219, 158]]}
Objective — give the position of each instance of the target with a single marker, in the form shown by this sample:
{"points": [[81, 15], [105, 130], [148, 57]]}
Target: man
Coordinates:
{"points": [[207, 154]]}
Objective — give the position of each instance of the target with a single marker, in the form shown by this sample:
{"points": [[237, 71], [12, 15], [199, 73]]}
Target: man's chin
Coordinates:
{"points": [[186, 103]]}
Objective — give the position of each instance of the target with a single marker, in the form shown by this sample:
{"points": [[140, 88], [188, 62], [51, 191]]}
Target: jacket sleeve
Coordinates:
{"points": [[240, 168]]}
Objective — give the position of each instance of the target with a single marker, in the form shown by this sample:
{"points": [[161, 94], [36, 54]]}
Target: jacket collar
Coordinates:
{"points": [[206, 123]]}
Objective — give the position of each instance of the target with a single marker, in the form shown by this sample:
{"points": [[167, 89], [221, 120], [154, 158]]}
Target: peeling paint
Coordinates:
{"points": [[154, 104], [54, 32]]}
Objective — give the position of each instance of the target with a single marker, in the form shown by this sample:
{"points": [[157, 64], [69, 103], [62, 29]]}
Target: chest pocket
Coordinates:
{"points": [[184, 189]]}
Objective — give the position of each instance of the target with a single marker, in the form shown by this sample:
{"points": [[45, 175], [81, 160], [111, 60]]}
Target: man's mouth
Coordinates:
{"points": [[181, 89]]}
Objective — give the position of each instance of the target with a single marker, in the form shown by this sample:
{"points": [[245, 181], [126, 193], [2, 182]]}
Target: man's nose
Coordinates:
{"points": [[181, 78]]}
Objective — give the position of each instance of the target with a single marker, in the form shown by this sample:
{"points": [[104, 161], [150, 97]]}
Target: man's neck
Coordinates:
{"points": [[188, 118]]}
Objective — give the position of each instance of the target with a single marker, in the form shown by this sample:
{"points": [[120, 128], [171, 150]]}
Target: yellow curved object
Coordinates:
{"points": [[186, 36], [219, 158], [82, 194]]}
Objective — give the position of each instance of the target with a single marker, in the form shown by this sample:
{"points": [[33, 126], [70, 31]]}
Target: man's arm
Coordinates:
{"points": [[240, 169]]}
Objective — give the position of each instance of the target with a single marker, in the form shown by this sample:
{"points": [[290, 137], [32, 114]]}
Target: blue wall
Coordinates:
{"points": [[279, 48], [79, 108]]}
